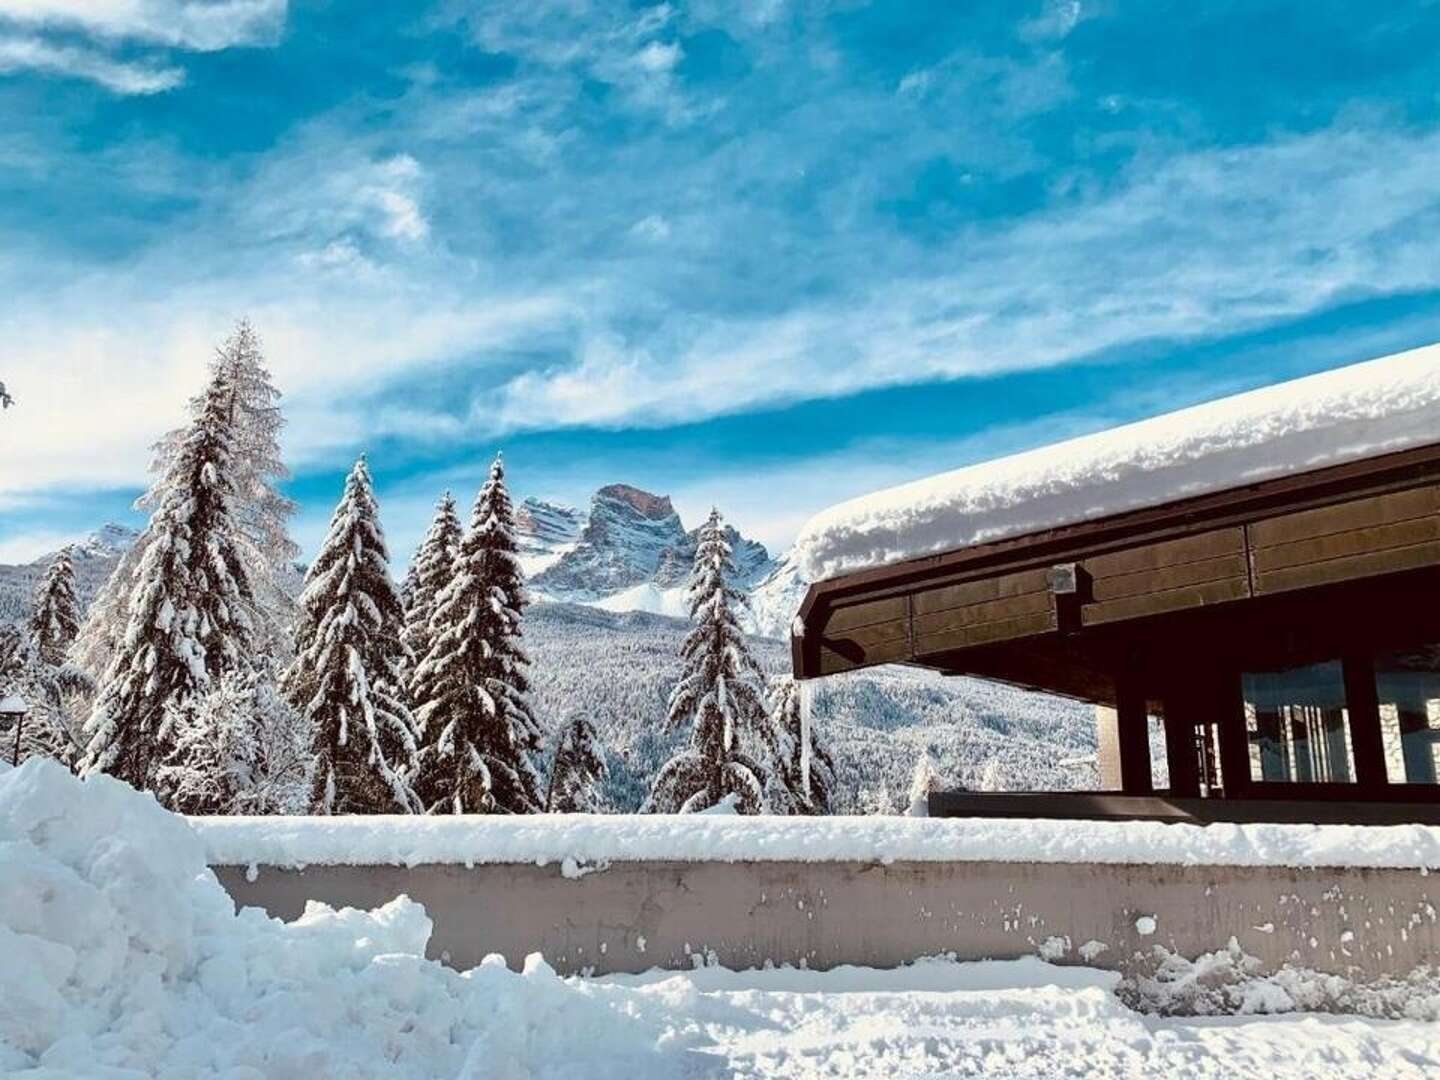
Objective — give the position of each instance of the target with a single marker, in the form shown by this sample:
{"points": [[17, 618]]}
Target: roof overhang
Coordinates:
{"points": [[1028, 609]]}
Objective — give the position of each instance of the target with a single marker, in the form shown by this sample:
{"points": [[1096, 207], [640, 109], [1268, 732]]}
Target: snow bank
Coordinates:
{"points": [[588, 839], [1353, 413], [121, 951], [121, 956]]}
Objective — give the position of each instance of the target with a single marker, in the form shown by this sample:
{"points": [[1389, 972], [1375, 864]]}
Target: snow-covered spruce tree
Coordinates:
{"points": [[260, 512], [472, 690], [719, 696], [430, 572], [578, 768], [56, 619], [807, 771], [188, 620], [348, 675]]}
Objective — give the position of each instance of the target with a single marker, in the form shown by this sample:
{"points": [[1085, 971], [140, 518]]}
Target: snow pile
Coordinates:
{"points": [[121, 951], [399, 840], [1356, 412], [1230, 982]]}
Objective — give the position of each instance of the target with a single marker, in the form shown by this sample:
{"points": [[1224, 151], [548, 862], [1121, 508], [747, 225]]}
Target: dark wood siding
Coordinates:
{"points": [[1355, 539], [1168, 576]]}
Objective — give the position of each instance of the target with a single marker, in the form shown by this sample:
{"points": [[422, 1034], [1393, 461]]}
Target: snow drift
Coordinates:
{"points": [[121, 951], [1365, 410]]}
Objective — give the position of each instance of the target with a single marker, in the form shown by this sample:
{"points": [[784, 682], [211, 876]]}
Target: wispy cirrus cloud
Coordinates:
{"points": [[91, 39], [121, 76]]}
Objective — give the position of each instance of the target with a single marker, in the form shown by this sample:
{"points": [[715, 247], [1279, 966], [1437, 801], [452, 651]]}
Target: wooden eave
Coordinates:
{"points": [[1249, 512]]}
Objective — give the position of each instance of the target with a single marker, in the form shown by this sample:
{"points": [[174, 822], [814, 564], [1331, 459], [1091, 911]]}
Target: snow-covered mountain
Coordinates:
{"points": [[546, 531], [631, 552], [94, 558]]}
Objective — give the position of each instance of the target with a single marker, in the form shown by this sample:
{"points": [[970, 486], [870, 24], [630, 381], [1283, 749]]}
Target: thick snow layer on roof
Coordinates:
{"points": [[578, 840], [1356, 412]]}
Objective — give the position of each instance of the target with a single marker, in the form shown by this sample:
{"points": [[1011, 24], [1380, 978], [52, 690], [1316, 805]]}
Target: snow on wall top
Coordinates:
{"points": [[580, 840], [1355, 412]]}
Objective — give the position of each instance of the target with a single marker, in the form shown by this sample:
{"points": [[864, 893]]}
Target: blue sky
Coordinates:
{"points": [[761, 253]]}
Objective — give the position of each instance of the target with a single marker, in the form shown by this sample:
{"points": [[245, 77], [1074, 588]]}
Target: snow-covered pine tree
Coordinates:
{"points": [[924, 780], [188, 619], [578, 768], [719, 696], [56, 618], [348, 675], [472, 689], [430, 572], [212, 767], [807, 771], [260, 512]]}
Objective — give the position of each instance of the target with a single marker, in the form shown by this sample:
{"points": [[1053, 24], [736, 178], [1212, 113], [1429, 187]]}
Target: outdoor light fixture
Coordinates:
{"points": [[13, 707]]}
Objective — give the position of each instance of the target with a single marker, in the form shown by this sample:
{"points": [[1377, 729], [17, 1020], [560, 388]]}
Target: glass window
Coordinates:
{"points": [[1299, 726], [1408, 684]]}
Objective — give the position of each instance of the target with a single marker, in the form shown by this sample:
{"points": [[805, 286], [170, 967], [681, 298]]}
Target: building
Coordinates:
{"points": [[1260, 576]]}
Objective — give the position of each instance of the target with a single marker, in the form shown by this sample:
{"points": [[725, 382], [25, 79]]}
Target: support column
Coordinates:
{"points": [[1133, 735]]}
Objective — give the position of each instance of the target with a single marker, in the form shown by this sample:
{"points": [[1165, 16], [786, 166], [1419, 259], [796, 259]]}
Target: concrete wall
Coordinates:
{"points": [[635, 916]]}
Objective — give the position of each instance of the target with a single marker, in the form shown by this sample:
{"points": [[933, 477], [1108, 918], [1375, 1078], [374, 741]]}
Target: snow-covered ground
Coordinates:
{"points": [[1356, 412], [120, 955]]}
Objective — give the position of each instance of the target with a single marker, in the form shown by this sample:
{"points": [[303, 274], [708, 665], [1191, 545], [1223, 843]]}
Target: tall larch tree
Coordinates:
{"points": [[348, 674], [719, 697], [472, 689], [261, 513], [430, 572], [807, 771], [577, 771], [187, 616]]}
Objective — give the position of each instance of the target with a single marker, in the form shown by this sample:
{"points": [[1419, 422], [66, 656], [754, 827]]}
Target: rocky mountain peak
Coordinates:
{"points": [[654, 507]]}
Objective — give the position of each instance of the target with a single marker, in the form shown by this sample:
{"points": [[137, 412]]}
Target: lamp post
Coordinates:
{"points": [[13, 707]]}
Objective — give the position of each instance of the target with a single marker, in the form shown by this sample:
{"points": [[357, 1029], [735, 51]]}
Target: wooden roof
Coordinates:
{"points": [[969, 610]]}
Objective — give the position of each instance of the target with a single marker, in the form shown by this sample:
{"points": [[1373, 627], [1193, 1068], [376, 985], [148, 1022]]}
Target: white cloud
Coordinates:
{"points": [[1209, 243], [199, 25], [651, 227], [1055, 22], [656, 58], [35, 54]]}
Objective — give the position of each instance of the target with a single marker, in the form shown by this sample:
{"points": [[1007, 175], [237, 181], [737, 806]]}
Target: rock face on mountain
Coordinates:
{"points": [[545, 532], [94, 558], [632, 553], [627, 537]]}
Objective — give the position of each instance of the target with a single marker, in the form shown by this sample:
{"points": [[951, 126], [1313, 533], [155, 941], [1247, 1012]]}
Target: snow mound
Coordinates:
{"points": [[1229, 982], [1361, 411], [121, 951]]}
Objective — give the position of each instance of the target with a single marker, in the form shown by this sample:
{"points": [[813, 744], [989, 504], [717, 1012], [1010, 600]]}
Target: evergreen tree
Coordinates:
{"points": [[347, 679], [719, 697], [56, 619], [430, 572], [188, 617], [260, 513], [578, 768], [807, 771], [472, 689], [239, 749]]}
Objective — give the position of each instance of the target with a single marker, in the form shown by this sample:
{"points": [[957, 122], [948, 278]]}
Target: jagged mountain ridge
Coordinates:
{"points": [[633, 553]]}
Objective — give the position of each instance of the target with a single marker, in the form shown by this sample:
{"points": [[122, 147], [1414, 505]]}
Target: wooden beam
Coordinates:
{"points": [[1133, 721]]}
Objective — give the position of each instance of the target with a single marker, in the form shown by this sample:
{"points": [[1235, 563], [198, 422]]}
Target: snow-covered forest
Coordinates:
{"points": [[198, 661]]}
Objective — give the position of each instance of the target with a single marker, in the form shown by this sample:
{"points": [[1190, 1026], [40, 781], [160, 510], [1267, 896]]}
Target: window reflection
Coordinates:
{"points": [[1408, 683], [1299, 725]]}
